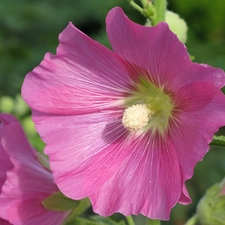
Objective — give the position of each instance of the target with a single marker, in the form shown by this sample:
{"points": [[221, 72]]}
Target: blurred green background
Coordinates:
{"points": [[29, 28]]}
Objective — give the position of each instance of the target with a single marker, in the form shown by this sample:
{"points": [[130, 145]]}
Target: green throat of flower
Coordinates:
{"points": [[147, 108]]}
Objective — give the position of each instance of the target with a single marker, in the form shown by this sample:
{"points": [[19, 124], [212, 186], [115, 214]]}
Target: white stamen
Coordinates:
{"points": [[136, 117]]}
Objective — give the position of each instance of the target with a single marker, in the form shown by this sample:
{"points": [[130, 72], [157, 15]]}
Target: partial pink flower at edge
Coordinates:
{"points": [[5, 163], [4, 222], [78, 98], [27, 182]]}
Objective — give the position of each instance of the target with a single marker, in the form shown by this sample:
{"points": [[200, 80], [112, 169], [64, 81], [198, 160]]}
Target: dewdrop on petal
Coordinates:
{"points": [[136, 117]]}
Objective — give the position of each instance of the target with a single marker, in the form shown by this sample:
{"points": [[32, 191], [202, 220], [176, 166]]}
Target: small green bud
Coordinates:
{"points": [[20, 107], [177, 25], [6, 104], [211, 208]]}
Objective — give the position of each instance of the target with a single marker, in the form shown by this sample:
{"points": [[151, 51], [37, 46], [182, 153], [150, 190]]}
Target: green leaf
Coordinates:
{"points": [[82, 221], [107, 220], [78, 210], [153, 222], [192, 221], [122, 222], [218, 141], [59, 202]]}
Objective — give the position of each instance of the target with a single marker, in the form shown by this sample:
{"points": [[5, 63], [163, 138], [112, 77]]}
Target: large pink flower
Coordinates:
{"points": [[24, 183], [125, 128]]}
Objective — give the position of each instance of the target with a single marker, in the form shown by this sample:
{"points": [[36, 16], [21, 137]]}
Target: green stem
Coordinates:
{"points": [[130, 220], [153, 222], [149, 11], [136, 6], [160, 8], [192, 221]]}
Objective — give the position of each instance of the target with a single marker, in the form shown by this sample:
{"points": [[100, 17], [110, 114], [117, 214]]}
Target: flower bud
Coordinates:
{"points": [[177, 25], [211, 208]]}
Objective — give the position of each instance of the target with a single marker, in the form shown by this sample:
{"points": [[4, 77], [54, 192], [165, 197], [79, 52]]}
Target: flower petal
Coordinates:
{"points": [[33, 177], [206, 73], [25, 212], [157, 52], [184, 198], [5, 163], [201, 113], [5, 166], [88, 142], [134, 171], [27, 184], [84, 76], [5, 119], [143, 183]]}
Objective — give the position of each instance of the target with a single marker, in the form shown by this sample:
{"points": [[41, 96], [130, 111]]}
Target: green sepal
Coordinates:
{"points": [[145, 84], [59, 202], [218, 141], [149, 11]]}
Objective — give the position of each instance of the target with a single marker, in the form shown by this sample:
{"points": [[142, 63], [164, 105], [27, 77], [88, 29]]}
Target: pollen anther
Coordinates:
{"points": [[136, 116]]}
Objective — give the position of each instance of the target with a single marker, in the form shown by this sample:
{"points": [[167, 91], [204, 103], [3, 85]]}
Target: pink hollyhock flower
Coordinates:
{"points": [[5, 164], [125, 127], [24, 183]]}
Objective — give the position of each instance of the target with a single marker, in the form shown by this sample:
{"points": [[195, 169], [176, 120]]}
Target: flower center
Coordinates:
{"points": [[136, 117], [149, 107]]}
